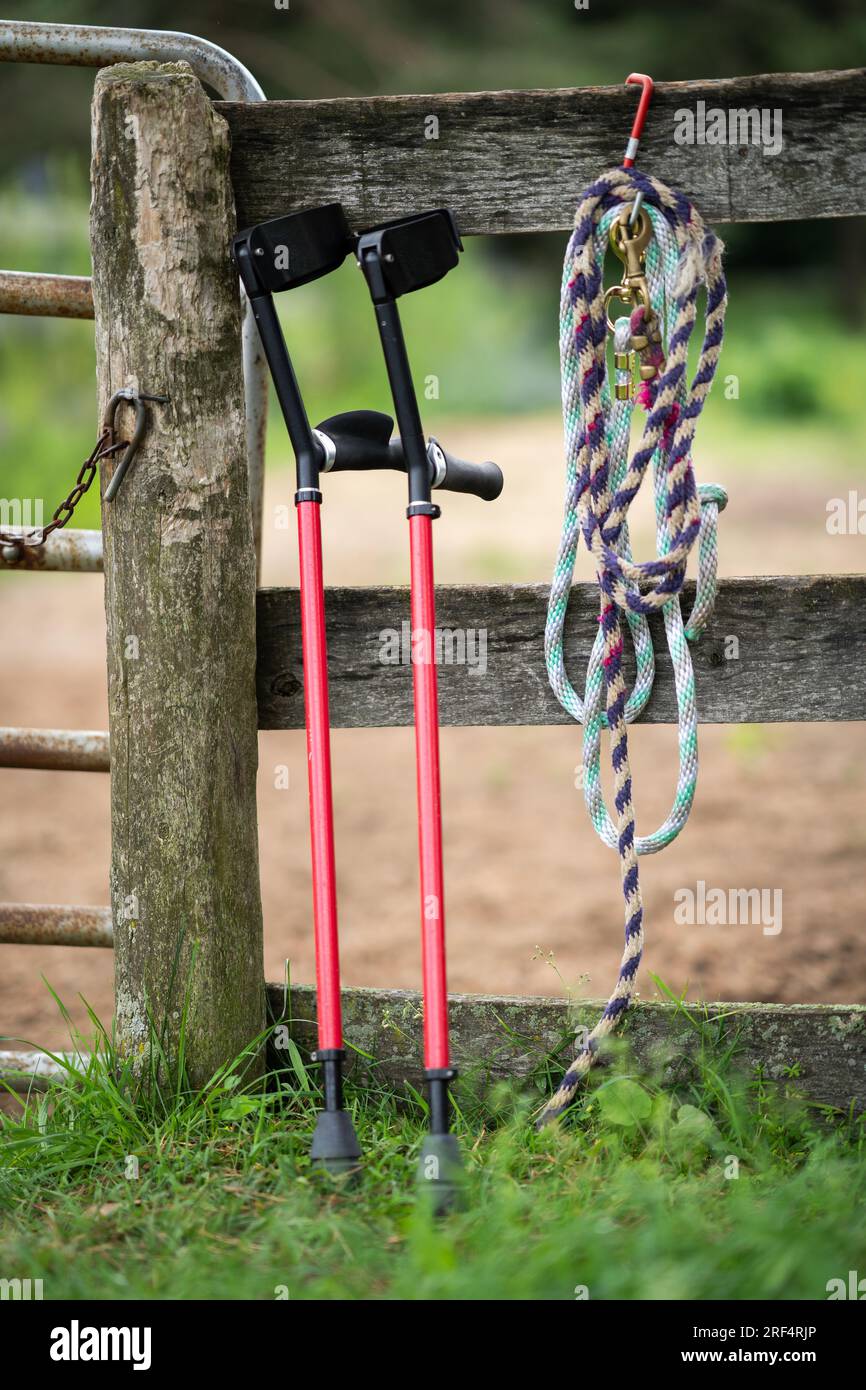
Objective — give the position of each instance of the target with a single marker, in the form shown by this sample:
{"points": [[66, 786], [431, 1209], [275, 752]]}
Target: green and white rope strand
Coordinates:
{"points": [[662, 262], [601, 482]]}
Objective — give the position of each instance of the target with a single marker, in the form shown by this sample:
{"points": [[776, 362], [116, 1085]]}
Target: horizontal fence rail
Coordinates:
{"points": [[822, 1045], [34, 1071], [770, 654], [71, 550], [38, 924], [55, 750], [496, 1037], [516, 161], [52, 296]]}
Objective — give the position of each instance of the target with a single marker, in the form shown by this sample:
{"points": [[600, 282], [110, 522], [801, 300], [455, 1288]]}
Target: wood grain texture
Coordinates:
{"points": [[794, 634], [516, 161], [495, 1037], [179, 575]]}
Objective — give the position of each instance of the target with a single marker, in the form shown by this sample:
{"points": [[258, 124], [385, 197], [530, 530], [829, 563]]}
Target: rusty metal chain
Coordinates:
{"points": [[62, 514], [103, 448]]}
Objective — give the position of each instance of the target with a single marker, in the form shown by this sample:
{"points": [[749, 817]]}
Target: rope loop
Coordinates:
{"points": [[602, 481]]}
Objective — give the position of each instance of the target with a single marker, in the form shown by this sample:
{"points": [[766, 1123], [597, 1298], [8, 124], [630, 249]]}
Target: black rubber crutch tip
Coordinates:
{"points": [[440, 1172], [335, 1149]]}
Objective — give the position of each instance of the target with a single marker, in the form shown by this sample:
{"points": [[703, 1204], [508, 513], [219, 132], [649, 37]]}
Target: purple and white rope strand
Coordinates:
{"points": [[627, 586]]}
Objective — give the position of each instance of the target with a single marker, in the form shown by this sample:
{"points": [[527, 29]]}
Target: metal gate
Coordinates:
{"points": [[66, 296]]}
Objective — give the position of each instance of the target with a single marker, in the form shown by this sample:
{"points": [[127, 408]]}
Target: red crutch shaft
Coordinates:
{"points": [[423, 609], [313, 640]]}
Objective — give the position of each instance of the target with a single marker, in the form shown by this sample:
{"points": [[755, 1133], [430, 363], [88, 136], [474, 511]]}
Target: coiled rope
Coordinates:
{"points": [[601, 484]]}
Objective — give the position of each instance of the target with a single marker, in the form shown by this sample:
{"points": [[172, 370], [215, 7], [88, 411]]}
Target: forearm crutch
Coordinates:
{"points": [[398, 258], [271, 257]]}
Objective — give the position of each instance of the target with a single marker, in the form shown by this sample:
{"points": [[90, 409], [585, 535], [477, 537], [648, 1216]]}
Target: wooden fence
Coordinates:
{"points": [[198, 660]]}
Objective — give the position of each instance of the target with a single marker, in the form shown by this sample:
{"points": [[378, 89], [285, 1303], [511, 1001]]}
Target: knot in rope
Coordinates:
{"points": [[602, 481]]}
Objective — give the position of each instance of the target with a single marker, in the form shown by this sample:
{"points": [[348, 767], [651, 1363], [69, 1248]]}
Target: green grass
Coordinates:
{"points": [[632, 1198]]}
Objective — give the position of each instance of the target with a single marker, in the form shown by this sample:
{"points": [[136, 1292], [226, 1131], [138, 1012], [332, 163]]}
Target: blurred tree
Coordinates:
{"points": [[335, 48], [332, 48]]}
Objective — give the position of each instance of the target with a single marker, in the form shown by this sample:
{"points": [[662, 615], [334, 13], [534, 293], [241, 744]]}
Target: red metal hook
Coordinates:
{"points": [[640, 116]]}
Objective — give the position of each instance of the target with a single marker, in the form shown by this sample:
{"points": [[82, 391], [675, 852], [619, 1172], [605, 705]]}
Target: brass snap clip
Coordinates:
{"points": [[629, 242]]}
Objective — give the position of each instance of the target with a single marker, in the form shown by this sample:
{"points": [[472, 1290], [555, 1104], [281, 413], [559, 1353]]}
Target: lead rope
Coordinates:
{"points": [[601, 483]]}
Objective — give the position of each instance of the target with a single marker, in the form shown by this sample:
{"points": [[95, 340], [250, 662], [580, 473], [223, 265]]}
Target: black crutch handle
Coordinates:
{"points": [[360, 440], [452, 474], [356, 441]]}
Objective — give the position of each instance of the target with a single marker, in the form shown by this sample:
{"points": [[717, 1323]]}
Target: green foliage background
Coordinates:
{"points": [[489, 332]]}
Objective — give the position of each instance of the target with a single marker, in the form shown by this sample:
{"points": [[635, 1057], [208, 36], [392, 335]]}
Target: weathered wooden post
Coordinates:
{"points": [[179, 573]]}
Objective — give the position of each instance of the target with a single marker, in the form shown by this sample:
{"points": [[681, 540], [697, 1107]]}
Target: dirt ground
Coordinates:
{"points": [[533, 896]]}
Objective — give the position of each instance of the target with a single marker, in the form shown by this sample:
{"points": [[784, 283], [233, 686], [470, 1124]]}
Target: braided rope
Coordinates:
{"points": [[601, 483]]}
